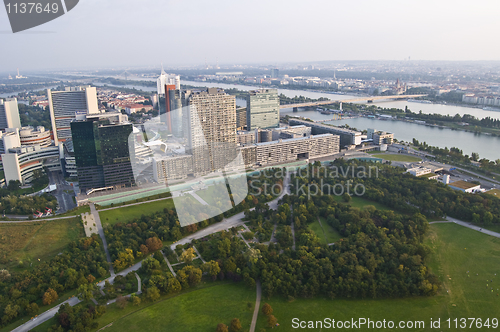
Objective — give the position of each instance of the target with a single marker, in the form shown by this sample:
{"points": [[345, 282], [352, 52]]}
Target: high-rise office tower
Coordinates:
{"points": [[173, 101], [263, 109], [211, 129], [167, 79], [9, 114], [102, 153], [275, 73], [65, 105], [168, 87]]}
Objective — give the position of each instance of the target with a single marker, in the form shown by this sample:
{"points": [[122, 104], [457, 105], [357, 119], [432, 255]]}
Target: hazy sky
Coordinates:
{"points": [[107, 33]]}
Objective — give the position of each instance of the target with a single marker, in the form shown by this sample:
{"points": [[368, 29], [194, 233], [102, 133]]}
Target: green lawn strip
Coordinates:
{"points": [[129, 213], [398, 157], [331, 234], [449, 259], [193, 310], [318, 230]]}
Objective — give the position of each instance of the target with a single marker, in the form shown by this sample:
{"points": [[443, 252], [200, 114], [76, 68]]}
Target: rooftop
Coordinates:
{"points": [[463, 185]]}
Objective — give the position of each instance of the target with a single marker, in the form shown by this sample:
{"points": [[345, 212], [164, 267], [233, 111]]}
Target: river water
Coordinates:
{"points": [[487, 146]]}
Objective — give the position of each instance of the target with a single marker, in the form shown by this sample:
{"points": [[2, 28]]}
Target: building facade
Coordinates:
{"points": [[31, 136], [9, 114], [211, 129], [263, 109], [65, 105], [347, 137], [102, 154]]}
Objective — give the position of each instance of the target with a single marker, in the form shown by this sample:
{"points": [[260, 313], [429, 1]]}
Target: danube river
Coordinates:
{"points": [[487, 146]]}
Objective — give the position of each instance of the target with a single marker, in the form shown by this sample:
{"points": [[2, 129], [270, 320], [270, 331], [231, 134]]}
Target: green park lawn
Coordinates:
{"points": [[455, 250], [398, 157], [326, 233], [198, 310], [42, 240], [129, 213], [360, 202]]}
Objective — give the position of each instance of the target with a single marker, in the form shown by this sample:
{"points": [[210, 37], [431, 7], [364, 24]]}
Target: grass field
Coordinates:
{"points": [[398, 157], [360, 202], [128, 213], [196, 311], [29, 242], [494, 192], [326, 233], [461, 296]]}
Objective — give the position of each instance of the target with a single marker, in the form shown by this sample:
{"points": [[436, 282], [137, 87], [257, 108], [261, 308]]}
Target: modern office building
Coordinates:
{"points": [[31, 136], [291, 132], [275, 73], [102, 155], [348, 137], [379, 137], [9, 139], [9, 114], [166, 79], [20, 163], [263, 109], [211, 129], [66, 105]]}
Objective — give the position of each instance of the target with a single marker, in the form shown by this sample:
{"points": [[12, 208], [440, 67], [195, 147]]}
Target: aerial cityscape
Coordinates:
{"points": [[249, 166]]}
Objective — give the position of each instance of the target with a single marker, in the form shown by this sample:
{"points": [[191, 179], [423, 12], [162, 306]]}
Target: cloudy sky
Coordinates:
{"points": [[113, 33]]}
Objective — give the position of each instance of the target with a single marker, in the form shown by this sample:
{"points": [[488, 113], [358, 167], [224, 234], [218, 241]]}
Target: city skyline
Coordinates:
{"points": [[110, 34]]}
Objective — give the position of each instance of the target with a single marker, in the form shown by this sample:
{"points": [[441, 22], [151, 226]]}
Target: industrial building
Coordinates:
{"points": [[347, 137], [465, 186]]}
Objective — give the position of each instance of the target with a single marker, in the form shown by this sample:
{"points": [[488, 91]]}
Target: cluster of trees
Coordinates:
{"points": [[456, 155], [128, 242], [77, 318], [267, 310], [234, 326], [35, 116], [284, 100], [21, 293], [13, 204]]}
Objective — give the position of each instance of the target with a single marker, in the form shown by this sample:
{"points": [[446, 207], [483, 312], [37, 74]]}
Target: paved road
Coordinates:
{"points": [[43, 317], [64, 200], [100, 230], [139, 284], [257, 307], [169, 265], [123, 273], [230, 222]]}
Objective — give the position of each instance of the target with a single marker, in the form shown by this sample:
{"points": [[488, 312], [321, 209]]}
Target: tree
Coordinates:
{"points": [[212, 268], [86, 291], [187, 256], [235, 325], [125, 259], [221, 328], [475, 156], [121, 302], [4, 275], [153, 244], [136, 301], [153, 293], [271, 321], [32, 309], [346, 197], [50, 296], [144, 249], [266, 309]]}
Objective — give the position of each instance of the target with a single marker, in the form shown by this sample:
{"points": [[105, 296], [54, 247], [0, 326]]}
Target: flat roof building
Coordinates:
{"points": [[347, 136], [465, 186]]}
